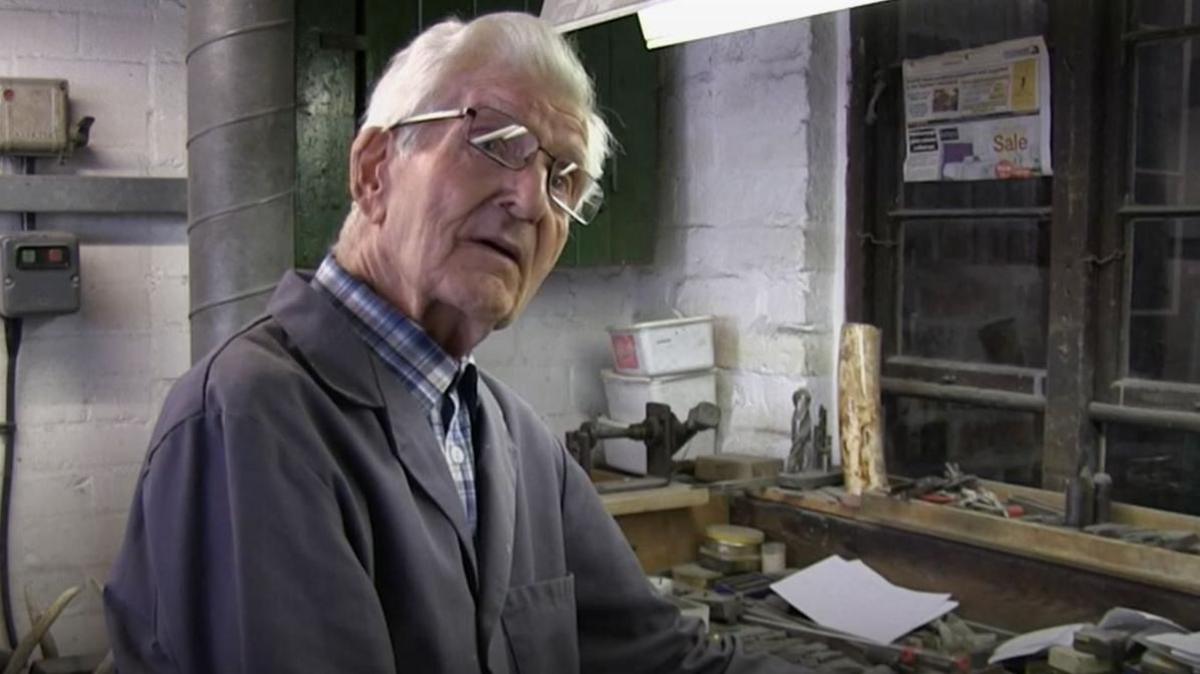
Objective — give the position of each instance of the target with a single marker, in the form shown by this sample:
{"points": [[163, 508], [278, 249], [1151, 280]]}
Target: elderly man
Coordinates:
{"points": [[338, 488]]}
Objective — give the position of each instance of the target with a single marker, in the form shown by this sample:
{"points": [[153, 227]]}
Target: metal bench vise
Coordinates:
{"points": [[662, 433]]}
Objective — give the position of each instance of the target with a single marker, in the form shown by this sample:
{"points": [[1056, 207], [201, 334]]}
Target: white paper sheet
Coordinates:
{"points": [[853, 598], [1189, 660], [1183, 645], [978, 114], [1036, 642]]}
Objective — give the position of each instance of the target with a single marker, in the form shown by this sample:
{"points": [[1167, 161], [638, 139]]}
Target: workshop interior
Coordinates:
{"points": [[883, 352]]}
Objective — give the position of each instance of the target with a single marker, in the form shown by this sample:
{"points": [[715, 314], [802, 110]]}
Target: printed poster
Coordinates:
{"points": [[978, 114]]}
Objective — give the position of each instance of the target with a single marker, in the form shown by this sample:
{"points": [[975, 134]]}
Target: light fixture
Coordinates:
{"points": [[571, 15], [667, 22], [674, 21]]}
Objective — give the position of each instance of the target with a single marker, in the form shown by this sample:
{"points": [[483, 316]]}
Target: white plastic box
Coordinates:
{"points": [[627, 395], [663, 347]]}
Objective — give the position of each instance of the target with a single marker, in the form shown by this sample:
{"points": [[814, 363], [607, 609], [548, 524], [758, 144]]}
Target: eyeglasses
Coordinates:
{"points": [[513, 145]]}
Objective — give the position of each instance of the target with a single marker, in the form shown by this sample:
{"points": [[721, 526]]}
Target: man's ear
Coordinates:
{"points": [[368, 172]]}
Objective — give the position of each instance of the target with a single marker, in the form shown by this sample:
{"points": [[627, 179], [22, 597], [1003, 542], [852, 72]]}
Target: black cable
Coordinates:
{"points": [[12, 337], [28, 218], [8, 427]]}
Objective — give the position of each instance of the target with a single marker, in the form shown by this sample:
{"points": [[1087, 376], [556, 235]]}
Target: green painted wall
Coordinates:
{"points": [[340, 51]]}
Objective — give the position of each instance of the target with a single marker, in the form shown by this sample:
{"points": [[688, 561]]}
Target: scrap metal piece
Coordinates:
{"points": [[1177, 540], [755, 585], [1071, 661], [875, 652], [723, 608], [1109, 646]]}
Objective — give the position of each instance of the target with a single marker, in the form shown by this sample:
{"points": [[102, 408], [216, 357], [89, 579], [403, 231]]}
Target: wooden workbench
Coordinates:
{"points": [[1015, 575], [665, 526]]}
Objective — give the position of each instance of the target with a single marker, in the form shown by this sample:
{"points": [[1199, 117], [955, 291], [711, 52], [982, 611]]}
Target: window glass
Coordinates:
{"points": [[975, 290], [1154, 468], [1164, 300], [1033, 192], [938, 26], [1150, 14], [1166, 133], [923, 435]]}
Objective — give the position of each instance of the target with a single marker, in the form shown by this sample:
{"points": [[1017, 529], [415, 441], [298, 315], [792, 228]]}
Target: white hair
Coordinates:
{"points": [[417, 75]]}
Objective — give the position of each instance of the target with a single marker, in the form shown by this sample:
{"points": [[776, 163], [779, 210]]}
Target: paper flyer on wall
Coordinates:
{"points": [[978, 114]]}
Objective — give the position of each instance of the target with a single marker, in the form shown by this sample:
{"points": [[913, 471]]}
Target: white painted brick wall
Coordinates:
{"points": [[553, 354], [739, 239], [90, 384], [742, 237]]}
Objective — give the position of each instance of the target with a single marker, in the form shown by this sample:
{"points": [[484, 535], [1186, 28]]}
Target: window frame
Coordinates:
{"points": [[1084, 384], [1115, 386]]}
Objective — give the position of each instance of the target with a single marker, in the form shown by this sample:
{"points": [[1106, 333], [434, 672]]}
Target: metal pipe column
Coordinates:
{"points": [[241, 160]]}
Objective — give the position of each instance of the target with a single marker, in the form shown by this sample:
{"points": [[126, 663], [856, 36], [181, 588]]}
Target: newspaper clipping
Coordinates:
{"points": [[978, 114]]}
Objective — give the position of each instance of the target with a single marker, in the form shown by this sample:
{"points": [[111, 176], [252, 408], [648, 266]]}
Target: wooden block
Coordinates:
{"points": [[695, 576], [722, 467]]}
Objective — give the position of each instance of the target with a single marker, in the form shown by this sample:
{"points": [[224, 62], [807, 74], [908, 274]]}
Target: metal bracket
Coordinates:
{"points": [[876, 93], [342, 41], [92, 194], [874, 241], [1118, 254]]}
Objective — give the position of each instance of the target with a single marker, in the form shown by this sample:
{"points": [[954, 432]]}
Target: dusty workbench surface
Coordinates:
{"points": [[1141, 563], [995, 584], [669, 497]]}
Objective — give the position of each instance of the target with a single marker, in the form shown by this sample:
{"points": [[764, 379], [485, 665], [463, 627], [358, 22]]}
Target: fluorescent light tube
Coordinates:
{"points": [[674, 21]]}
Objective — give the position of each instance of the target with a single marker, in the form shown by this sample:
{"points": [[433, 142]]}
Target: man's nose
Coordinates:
{"points": [[525, 192]]}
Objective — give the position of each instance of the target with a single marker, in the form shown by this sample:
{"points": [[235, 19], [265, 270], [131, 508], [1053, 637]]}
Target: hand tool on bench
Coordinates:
{"points": [[887, 654]]}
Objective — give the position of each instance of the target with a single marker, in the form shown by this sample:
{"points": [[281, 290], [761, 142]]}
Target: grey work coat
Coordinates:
{"points": [[295, 514]]}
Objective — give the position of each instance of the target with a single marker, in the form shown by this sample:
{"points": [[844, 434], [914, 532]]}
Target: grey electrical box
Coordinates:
{"points": [[40, 272], [33, 116]]}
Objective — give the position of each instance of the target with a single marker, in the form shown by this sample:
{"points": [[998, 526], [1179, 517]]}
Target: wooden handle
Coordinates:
{"points": [[860, 409]]}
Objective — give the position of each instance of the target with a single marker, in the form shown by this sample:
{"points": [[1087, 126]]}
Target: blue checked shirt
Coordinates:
{"points": [[437, 380]]}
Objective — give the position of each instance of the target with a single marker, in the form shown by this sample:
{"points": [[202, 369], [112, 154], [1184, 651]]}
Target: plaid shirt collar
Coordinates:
{"points": [[424, 367]]}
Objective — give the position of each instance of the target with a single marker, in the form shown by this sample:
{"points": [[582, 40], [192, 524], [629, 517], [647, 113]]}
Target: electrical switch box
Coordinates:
{"points": [[40, 272], [33, 117]]}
